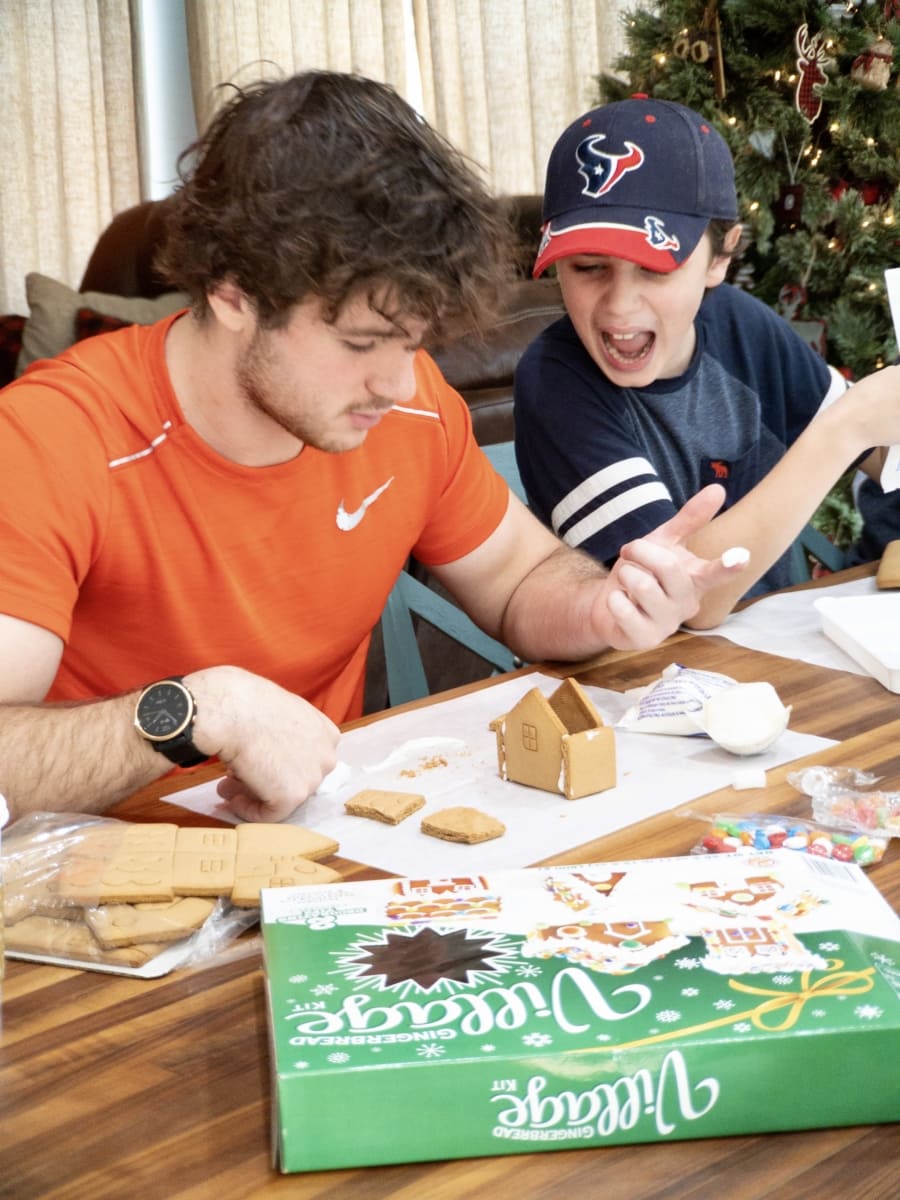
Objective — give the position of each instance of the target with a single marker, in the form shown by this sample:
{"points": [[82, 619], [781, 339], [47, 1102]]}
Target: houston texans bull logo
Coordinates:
{"points": [[602, 170]]}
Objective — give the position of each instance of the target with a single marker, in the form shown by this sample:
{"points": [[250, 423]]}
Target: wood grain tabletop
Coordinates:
{"points": [[114, 1088]]}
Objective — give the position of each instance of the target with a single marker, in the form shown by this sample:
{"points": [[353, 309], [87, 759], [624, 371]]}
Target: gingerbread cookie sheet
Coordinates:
{"points": [[120, 896]]}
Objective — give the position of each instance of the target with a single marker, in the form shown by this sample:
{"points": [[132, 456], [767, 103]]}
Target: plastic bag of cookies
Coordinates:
{"points": [[143, 898]]}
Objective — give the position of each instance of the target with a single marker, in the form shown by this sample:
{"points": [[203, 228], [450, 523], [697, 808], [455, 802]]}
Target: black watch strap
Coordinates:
{"points": [[165, 706]]}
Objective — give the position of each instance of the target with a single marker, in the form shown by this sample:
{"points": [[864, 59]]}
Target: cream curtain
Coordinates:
{"points": [[503, 78], [242, 40], [500, 78], [67, 141]]}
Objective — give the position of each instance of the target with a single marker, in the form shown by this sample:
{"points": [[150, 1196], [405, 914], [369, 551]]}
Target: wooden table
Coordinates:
{"points": [[120, 1089]]}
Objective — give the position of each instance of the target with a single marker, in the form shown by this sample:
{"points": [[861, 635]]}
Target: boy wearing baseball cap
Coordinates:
{"points": [[662, 378]]}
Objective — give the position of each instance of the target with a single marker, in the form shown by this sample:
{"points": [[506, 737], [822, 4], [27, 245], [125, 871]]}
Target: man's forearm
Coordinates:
{"points": [[568, 607], [73, 757], [553, 612]]}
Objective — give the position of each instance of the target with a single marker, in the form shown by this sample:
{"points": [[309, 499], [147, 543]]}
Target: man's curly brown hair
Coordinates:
{"points": [[331, 185]]}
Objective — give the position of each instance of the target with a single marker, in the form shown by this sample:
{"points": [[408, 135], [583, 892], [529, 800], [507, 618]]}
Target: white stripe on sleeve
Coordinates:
{"points": [[613, 510]]}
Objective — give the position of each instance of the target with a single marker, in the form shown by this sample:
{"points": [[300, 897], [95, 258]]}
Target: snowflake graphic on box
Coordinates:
{"points": [[537, 1039], [868, 1012], [431, 1051]]}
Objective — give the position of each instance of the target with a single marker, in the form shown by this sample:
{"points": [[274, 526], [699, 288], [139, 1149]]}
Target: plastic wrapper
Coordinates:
{"points": [[43, 923], [674, 704], [742, 718], [847, 798], [731, 833]]}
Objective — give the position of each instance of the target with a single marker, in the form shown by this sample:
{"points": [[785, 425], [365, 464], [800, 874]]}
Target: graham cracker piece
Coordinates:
{"points": [[126, 924], [278, 856], [203, 863], [135, 865], [287, 840], [72, 939], [889, 568], [389, 807], [462, 824], [254, 873]]}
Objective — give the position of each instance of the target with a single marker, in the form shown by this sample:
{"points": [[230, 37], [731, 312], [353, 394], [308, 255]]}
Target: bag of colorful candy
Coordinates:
{"points": [[846, 797], [730, 833]]}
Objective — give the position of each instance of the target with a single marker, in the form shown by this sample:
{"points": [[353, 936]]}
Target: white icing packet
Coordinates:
{"points": [[674, 704]]}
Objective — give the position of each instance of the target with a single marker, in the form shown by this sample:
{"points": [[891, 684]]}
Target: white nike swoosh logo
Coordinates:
{"points": [[349, 520]]}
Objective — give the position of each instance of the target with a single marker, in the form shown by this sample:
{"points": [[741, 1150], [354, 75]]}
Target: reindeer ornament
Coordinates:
{"points": [[812, 62]]}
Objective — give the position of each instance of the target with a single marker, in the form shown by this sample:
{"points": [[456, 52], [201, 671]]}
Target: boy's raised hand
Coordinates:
{"points": [[657, 583]]}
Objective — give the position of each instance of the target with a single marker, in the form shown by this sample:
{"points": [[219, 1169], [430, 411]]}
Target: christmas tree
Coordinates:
{"points": [[806, 95]]}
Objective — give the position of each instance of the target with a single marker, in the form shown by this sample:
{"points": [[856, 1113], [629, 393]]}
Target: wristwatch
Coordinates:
{"points": [[164, 716]]}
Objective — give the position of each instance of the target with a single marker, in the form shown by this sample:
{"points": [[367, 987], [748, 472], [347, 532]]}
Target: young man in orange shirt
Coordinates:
{"points": [[201, 520]]}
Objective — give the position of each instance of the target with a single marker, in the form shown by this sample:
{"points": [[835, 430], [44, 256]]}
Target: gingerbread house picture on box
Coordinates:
{"points": [[558, 743]]}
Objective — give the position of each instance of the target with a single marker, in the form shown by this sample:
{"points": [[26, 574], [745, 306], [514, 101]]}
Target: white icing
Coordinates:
{"points": [[416, 749], [746, 718], [335, 779], [748, 777]]}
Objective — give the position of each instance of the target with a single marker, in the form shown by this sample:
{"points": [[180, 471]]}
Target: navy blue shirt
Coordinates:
{"points": [[603, 464]]}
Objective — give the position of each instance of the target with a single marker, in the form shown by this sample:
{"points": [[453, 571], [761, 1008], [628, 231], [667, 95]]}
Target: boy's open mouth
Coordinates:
{"points": [[628, 348]]}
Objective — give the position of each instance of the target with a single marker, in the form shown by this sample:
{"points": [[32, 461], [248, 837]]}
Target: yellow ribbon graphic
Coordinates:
{"points": [[833, 982]]}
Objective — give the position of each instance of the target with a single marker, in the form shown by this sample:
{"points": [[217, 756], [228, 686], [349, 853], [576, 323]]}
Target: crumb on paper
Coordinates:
{"points": [[427, 764]]}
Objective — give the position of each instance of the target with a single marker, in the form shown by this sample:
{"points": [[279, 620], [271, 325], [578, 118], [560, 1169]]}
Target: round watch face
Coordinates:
{"points": [[164, 711]]}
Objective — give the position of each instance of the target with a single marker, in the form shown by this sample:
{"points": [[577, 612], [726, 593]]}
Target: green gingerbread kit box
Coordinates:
{"points": [[592, 1005]]}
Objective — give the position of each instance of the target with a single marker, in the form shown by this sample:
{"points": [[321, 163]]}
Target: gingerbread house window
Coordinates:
{"points": [[530, 738]]}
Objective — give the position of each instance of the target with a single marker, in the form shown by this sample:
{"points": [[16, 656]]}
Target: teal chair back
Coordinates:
{"points": [[811, 542], [411, 599], [503, 457], [406, 679]]}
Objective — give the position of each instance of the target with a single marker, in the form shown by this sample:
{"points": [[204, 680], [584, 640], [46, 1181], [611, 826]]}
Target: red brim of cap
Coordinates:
{"points": [[617, 241]]}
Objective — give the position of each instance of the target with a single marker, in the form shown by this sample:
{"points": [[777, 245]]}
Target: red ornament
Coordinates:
{"points": [[870, 193]]}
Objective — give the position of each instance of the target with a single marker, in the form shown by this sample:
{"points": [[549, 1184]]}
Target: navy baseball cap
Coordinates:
{"points": [[639, 179]]}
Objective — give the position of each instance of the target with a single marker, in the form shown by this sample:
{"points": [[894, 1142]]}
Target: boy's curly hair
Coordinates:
{"points": [[330, 184]]}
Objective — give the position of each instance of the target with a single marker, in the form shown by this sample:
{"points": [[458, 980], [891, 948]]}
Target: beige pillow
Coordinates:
{"points": [[51, 324]]}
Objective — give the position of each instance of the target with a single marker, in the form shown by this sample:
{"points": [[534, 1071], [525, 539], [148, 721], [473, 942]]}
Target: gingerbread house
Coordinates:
{"points": [[558, 743], [612, 947]]}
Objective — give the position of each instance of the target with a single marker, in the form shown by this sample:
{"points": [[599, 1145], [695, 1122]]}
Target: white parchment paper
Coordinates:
{"points": [[447, 753], [789, 624]]}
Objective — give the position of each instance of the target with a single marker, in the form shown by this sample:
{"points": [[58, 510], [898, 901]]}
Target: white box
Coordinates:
{"points": [[868, 629]]}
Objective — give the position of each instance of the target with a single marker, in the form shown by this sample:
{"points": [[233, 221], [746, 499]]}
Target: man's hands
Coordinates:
{"points": [[657, 583], [277, 747]]}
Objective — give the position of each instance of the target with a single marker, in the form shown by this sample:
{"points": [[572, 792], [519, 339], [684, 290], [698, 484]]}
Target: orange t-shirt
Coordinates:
{"points": [[150, 555]]}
